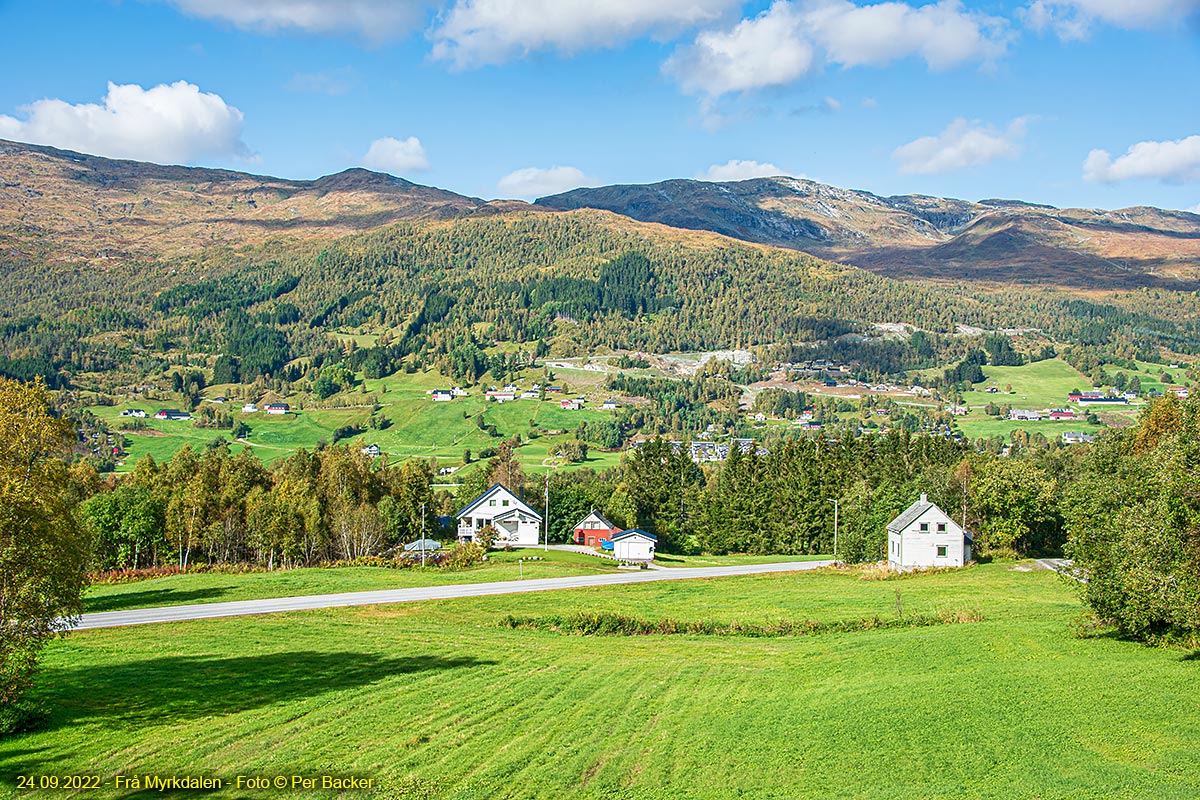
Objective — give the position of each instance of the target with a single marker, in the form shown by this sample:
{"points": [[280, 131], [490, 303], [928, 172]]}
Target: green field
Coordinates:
{"points": [[1038, 385], [435, 700], [418, 426], [205, 587]]}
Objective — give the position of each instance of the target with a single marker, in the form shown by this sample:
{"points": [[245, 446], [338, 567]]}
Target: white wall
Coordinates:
{"points": [[919, 548], [633, 548]]}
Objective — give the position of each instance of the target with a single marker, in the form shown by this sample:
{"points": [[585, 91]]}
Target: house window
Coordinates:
{"points": [[941, 551], [504, 503], [924, 527], [491, 502], [941, 527]]}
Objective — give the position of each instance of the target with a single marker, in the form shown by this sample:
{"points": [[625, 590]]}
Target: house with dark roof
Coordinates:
{"points": [[634, 545], [516, 524], [925, 536], [593, 529]]}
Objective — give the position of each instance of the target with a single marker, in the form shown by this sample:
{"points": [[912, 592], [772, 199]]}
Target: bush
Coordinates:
{"points": [[465, 555]]}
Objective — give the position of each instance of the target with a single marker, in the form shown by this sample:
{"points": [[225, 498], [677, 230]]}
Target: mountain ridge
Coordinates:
{"points": [[920, 235]]}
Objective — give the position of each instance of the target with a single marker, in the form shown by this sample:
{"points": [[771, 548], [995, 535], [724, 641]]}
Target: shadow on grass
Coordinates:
{"points": [[1192, 656], [153, 597], [159, 691]]}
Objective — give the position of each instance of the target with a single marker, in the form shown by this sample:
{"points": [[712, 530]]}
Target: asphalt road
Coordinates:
{"points": [[146, 616]]}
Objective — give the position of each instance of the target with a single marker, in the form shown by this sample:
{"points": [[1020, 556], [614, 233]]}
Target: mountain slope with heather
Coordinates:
{"points": [[918, 236], [62, 207]]}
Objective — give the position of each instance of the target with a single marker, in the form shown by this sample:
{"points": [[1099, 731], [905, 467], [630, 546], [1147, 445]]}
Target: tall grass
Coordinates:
{"points": [[610, 624]]}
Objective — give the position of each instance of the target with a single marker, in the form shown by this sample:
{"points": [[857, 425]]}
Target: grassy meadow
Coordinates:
{"points": [[436, 700], [418, 426], [208, 587]]}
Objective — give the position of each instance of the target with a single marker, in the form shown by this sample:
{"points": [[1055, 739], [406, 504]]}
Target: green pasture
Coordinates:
{"points": [[1041, 384], [435, 700], [205, 587], [418, 426]]}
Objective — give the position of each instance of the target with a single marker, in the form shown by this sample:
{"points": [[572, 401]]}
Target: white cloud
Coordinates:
{"points": [[1073, 19], [943, 34], [533, 182], [1171, 162], [962, 144], [332, 82], [738, 170], [374, 20], [475, 32], [768, 50], [783, 43], [1194, 209], [396, 155], [168, 123]]}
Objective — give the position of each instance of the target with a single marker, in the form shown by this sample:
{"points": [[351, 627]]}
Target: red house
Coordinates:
{"points": [[1062, 413], [592, 529]]}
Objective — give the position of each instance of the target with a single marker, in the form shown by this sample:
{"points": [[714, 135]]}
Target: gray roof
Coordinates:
{"points": [[910, 515]]}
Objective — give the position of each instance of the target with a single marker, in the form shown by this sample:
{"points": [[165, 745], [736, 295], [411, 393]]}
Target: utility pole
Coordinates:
{"points": [[835, 528], [422, 534], [546, 522]]}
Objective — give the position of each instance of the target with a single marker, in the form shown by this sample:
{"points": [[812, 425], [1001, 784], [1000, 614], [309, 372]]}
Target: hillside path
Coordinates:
{"points": [[146, 616]]}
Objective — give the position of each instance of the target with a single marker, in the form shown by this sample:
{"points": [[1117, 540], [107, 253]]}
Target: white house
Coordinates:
{"points": [[634, 545], [441, 395], [249, 408], [278, 408], [516, 524], [925, 536]]}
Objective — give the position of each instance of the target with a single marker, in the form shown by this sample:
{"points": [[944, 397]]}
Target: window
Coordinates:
{"points": [[505, 504], [491, 502], [941, 551], [941, 527], [924, 527]]}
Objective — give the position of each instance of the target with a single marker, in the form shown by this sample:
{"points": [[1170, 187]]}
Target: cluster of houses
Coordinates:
{"points": [[512, 393], [518, 525], [1054, 414], [270, 408], [1098, 397], [708, 451], [922, 536], [175, 415]]}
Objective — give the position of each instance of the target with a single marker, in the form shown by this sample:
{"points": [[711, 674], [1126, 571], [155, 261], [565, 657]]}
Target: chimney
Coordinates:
{"points": [[924, 498]]}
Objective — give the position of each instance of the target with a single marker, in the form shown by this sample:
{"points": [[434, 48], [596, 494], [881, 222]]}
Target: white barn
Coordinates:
{"points": [[634, 545], [925, 536], [516, 524]]}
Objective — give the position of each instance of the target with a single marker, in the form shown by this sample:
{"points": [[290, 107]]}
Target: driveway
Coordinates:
{"points": [[146, 616]]}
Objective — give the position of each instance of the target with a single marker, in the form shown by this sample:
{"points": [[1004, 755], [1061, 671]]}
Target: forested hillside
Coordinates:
{"points": [[115, 271]]}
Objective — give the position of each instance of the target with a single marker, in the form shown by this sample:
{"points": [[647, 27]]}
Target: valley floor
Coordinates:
{"points": [[437, 700]]}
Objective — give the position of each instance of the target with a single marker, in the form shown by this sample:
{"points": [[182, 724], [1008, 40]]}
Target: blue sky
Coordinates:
{"points": [[1068, 102]]}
